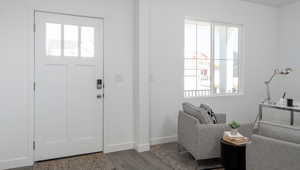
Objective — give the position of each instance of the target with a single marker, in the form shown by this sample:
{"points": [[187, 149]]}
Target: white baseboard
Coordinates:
{"points": [[161, 140], [142, 147], [118, 147], [15, 163]]}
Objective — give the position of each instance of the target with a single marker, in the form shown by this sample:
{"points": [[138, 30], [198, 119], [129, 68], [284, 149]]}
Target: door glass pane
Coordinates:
{"points": [[70, 40], [87, 46], [53, 39]]}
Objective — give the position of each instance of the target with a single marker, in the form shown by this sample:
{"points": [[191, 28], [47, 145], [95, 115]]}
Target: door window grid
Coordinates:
{"points": [[211, 64], [70, 40]]}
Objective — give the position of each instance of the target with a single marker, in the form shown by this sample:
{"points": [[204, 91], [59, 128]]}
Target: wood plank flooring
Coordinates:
{"points": [[160, 157]]}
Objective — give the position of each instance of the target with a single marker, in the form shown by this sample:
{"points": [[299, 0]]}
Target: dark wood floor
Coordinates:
{"points": [[161, 157]]}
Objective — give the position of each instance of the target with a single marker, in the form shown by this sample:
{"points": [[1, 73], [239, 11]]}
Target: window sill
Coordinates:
{"points": [[215, 96]]}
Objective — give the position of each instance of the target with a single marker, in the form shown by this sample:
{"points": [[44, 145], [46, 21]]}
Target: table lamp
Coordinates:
{"points": [[277, 71]]}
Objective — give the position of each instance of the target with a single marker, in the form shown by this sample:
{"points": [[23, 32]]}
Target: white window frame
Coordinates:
{"points": [[212, 58]]}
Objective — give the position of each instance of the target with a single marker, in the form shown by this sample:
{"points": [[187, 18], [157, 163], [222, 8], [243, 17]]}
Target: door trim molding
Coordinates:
{"points": [[68, 14]]}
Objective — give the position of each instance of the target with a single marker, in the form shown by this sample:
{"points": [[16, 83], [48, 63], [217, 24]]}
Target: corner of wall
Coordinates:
{"points": [[142, 109]]}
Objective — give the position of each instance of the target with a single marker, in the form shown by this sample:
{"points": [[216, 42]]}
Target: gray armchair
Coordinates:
{"points": [[274, 147], [203, 140]]}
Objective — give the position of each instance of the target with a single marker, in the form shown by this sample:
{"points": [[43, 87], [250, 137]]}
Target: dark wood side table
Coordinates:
{"points": [[233, 156]]}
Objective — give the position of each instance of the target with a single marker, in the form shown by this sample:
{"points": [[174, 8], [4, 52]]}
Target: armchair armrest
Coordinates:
{"points": [[265, 153], [187, 130], [221, 118]]}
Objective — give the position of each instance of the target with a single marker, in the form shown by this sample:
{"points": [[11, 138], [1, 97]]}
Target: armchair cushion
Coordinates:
{"points": [[197, 112]]}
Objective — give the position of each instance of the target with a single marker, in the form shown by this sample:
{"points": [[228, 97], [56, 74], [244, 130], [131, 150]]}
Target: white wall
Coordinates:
{"points": [[15, 118], [166, 58], [290, 51], [16, 71], [290, 47]]}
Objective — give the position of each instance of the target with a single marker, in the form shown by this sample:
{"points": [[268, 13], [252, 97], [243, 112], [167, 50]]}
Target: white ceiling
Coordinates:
{"points": [[276, 3]]}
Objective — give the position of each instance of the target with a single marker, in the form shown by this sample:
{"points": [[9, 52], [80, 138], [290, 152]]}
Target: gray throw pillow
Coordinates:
{"points": [[210, 112], [197, 112]]}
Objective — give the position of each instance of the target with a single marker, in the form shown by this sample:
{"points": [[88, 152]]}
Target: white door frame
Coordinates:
{"points": [[32, 77]]}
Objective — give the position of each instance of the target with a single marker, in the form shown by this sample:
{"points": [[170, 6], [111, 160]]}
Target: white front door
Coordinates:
{"points": [[69, 81]]}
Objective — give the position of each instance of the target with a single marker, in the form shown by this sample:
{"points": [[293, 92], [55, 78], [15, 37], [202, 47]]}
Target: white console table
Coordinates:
{"points": [[279, 107]]}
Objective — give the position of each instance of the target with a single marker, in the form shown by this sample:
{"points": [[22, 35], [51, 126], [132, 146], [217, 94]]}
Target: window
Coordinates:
{"points": [[70, 40], [211, 59]]}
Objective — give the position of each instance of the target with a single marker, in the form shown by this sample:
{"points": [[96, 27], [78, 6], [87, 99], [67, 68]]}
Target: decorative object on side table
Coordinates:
{"points": [[290, 102], [237, 139], [282, 100], [234, 125], [267, 83]]}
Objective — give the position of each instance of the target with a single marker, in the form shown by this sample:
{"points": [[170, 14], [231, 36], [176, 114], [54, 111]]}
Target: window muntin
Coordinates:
{"points": [[211, 59]]}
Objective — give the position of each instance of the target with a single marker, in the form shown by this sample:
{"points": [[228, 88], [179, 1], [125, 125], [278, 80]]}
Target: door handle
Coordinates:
{"points": [[99, 84]]}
